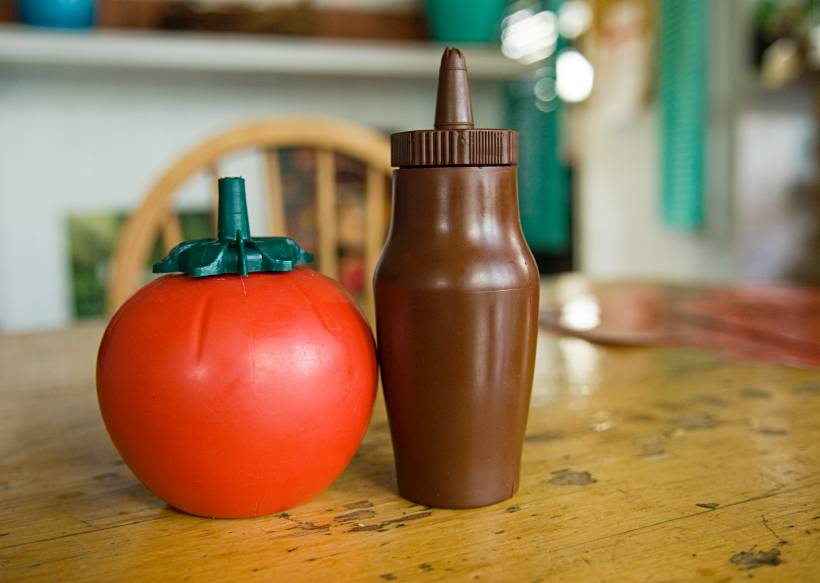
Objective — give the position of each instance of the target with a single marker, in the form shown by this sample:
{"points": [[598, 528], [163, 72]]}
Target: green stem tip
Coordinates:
{"points": [[233, 209]]}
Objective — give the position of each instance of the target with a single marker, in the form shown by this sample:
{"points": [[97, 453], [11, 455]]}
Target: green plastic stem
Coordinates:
{"points": [[233, 210], [234, 250]]}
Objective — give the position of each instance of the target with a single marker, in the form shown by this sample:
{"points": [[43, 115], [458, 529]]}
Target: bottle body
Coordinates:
{"points": [[457, 310]]}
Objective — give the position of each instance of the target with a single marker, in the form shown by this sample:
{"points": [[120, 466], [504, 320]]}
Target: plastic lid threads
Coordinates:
{"points": [[234, 251], [454, 141]]}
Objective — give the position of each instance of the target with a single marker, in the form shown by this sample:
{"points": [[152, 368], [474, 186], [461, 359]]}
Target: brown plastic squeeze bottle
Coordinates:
{"points": [[456, 307]]}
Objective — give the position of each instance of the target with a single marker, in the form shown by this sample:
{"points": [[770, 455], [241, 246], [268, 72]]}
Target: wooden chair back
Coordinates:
{"points": [[155, 217]]}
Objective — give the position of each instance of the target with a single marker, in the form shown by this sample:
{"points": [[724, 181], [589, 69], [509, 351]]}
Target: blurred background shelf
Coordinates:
{"points": [[92, 117], [213, 52]]}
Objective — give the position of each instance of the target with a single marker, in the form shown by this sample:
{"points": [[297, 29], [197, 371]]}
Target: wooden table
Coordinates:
{"points": [[661, 464]]}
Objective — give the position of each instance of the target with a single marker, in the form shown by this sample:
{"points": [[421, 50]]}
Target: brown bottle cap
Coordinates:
{"points": [[454, 141]]}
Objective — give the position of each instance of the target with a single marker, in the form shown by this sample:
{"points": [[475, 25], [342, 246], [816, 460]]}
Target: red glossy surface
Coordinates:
{"points": [[234, 397]]}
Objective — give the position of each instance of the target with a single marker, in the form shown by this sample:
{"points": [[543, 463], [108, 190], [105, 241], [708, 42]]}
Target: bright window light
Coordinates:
{"points": [[573, 76], [529, 37], [574, 18]]}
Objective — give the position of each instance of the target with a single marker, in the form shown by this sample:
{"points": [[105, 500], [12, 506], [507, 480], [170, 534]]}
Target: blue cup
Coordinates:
{"points": [[57, 13], [472, 21]]}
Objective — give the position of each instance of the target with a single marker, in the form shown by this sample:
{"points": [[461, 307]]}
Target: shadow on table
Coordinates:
{"points": [[373, 463]]}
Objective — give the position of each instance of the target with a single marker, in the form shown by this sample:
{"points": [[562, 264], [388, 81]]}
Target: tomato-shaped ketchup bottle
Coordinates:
{"points": [[242, 386], [456, 307]]}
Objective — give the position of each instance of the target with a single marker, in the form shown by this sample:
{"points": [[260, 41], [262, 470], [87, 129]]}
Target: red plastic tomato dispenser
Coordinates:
{"points": [[242, 393]]}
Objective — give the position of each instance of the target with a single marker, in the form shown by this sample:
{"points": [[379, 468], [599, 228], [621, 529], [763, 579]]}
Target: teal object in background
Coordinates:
{"points": [[57, 13], [683, 83], [472, 21], [544, 181], [543, 177]]}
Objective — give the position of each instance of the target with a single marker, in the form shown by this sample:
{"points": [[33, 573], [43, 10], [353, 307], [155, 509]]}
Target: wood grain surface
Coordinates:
{"points": [[663, 464]]}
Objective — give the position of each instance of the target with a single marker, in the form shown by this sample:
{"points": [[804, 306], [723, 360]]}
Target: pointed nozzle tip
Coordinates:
{"points": [[454, 109], [452, 58]]}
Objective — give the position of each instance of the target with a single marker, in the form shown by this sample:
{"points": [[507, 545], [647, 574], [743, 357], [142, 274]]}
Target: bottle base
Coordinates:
{"points": [[465, 501]]}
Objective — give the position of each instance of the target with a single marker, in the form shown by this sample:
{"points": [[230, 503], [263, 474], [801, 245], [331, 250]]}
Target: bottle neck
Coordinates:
{"points": [[477, 203]]}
